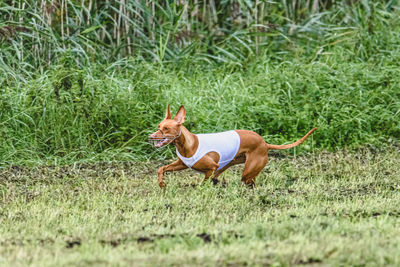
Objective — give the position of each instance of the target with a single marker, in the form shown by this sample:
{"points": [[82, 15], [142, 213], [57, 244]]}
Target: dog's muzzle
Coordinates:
{"points": [[160, 141]]}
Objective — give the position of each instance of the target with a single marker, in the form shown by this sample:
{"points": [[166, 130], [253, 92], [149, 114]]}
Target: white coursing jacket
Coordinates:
{"points": [[226, 144]]}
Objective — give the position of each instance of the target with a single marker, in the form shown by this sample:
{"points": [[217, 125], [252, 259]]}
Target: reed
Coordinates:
{"points": [[39, 31], [89, 80]]}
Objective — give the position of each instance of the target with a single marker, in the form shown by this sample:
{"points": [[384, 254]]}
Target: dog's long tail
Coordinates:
{"points": [[298, 142]]}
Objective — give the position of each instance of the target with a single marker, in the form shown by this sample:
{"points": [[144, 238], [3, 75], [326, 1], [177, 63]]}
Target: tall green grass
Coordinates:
{"points": [[37, 34], [152, 29], [70, 114], [71, 90]]}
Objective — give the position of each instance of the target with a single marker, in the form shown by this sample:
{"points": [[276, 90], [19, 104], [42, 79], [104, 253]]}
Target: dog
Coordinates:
{"points": [[212, 154]]}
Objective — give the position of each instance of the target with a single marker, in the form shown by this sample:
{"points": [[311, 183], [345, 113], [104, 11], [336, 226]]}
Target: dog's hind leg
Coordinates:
{"points": [[255, 162]]}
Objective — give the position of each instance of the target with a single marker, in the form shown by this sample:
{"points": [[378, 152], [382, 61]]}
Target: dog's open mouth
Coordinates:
{"points": [[159, 142]]}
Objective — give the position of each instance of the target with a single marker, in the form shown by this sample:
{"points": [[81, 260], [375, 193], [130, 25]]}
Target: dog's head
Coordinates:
{"points": [[168, 129]]}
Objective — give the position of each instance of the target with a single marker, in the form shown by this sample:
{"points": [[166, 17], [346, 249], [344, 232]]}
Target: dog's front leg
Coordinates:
{"points": [[174, 166], [208, 174]]}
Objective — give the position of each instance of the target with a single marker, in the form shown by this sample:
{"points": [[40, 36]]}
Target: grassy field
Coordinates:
{"points": [[64, 116], [326, 208], [66, 97], [83, 84]]}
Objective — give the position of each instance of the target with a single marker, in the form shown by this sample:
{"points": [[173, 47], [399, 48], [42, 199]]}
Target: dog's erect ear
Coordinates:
{"points": [[168, 113], [180, 116]]}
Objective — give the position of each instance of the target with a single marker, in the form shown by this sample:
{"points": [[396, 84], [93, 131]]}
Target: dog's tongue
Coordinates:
{"points": [[161, 143], [158, 144]]}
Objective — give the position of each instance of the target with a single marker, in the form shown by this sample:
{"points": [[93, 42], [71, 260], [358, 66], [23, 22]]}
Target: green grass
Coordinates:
{"points": [[65, 115], [35, 34], [318, 209], [66, 96], [82, 86]]}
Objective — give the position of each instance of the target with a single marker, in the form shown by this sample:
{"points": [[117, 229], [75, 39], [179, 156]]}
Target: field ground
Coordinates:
{"points": [[338, 208]]}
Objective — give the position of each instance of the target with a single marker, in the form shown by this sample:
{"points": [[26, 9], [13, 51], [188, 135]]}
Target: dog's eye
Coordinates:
{"points": [[166, 128]]}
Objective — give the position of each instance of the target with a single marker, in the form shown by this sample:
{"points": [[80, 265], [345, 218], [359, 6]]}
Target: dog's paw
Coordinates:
{"points": [[162, 184]]}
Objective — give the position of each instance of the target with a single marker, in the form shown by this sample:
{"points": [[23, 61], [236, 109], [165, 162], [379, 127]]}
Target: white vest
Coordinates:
{"points": [[226, 144]]}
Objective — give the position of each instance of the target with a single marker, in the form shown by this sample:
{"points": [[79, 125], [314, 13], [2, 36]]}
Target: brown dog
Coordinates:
{"points": [[215, 149]]}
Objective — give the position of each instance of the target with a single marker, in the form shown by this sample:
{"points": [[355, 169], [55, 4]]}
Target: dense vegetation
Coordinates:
{"points": [[83, 80]]}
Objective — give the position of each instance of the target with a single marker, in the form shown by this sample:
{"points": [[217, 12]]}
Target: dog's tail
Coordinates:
{"points": [[298, 142]]}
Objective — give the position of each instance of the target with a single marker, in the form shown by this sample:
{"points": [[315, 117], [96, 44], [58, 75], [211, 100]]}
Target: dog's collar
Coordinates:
{"points": [[176, 137]]}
